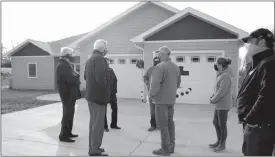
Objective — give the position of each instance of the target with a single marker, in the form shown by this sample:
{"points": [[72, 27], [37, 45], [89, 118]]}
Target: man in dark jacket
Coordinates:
{"points": [[113, 98], [256, 99], [67, 83], [147, 79], [97, 95]]}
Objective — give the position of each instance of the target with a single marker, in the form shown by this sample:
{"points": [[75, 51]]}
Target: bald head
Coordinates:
{"points": [[164, 53]]}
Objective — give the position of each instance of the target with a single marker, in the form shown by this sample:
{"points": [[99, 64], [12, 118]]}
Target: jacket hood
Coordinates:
{"points": [[226, 71]]}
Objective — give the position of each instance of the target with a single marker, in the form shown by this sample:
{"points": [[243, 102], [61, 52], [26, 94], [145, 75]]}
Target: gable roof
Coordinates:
{"points": [[120, 16], [190, 11], [44, 46]]}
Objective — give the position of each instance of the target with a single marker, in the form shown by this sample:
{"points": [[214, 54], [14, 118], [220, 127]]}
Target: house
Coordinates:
{"points": [[34, 62], [195, 39]]}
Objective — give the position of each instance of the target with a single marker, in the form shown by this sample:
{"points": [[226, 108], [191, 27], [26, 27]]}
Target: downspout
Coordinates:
{"points": [[140, 45]]}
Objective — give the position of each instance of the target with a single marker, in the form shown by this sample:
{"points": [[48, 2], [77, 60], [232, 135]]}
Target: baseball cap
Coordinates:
{"points": [[261, 33]]}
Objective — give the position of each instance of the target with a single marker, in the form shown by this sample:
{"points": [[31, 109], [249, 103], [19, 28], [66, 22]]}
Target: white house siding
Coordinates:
{"points": [[229, 47], [119, 34], [45, 73]]}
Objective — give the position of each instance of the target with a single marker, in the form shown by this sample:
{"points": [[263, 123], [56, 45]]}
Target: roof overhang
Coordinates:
{"points": [[180, 15]]}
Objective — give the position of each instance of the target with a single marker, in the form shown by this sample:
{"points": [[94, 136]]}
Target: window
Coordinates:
{"points": [[182, 72], [32, 70], [180, 59], [195, 59], [121, 61], [211, 59], [77, 68], [133, 61], [111, 61]]}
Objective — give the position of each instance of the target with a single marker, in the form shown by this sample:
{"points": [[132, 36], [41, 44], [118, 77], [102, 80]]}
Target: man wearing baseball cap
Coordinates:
{"points": [[256, 96], [147, 79]]}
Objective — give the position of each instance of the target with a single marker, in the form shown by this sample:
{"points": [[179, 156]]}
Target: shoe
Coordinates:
{"points": [[172, 150], [101, 149], [97, 154], [152, 128], [161, 152], [214, 145], [66, 140], [106, 130], [73, 135], [116, 127], [219, 148]]}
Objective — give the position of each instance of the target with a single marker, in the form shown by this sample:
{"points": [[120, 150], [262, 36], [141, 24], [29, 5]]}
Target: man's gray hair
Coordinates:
{"points": [[66, 51], [100, 44], [165, 49]]}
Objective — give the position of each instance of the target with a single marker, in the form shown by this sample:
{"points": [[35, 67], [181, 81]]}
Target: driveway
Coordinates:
{"points": [[35, 131]]}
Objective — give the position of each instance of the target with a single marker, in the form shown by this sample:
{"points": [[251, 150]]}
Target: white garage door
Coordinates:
{"points": [[198, 76], [129, 77]]}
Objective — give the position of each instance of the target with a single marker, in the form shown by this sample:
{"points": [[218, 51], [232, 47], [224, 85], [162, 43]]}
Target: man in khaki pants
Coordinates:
{"points": [[165, 81]]}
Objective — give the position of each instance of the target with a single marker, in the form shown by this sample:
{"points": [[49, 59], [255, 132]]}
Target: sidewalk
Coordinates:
{"points": [[35, 131]]}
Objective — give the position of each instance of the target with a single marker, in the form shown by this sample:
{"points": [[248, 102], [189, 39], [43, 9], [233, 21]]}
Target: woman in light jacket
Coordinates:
{"points": [[222, 99]]}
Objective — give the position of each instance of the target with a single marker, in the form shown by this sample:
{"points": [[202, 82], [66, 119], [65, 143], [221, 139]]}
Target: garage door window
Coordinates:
{"points": [[121, 61], [32, 70], [133, 61], [211, 59], [111, 61], [195, 59], [180, 59]]}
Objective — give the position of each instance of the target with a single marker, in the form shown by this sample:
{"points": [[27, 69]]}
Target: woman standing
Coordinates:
{"points": [[222, 98]]}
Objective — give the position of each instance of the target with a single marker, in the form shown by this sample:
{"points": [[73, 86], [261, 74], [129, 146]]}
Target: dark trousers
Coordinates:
{"points": [[220, 123], [152, 113], [113, 102], [68, 105], [258, 141]]}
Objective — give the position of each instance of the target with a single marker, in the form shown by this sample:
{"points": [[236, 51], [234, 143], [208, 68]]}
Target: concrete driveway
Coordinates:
{"points": [[35, 131]]}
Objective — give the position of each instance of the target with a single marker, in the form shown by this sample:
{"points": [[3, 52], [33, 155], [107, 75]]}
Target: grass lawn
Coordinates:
{"points": [[17, 100]]}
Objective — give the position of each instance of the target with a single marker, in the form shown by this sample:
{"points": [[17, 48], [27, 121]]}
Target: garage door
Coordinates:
{"points": [[197, 75], [129, 77]]}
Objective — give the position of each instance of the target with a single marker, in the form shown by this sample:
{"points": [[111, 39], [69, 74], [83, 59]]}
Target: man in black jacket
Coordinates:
{"points": [[113, 98], [68, 86], [97, 95], [256, 97]]}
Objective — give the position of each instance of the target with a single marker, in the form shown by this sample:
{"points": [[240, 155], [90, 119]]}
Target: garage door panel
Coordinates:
{"points": [[198, 86]]}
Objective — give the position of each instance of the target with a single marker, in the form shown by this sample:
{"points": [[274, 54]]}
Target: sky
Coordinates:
{"points": [[49, 21]]}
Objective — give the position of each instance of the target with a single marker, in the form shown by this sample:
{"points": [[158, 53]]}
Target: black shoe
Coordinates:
{"points": [[106, 130], [66, 140], [97, 154], [214, 145], [101, 149], [73, 135], [152, 129], [115, 127]]}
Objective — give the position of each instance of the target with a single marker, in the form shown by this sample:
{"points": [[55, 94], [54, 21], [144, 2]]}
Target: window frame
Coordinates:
{"points": [[28, 69], [215, 59], [183, 59], [120, 60], [192, 57]]}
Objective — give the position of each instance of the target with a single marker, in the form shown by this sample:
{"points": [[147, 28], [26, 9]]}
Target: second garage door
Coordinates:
{"points": [[197, 75]]}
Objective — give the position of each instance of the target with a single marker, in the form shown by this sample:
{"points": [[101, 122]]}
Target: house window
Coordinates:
{"points": [[121, 61], [211, 59], [195, 59], [180, 59], [133, 61], [32, 70]]}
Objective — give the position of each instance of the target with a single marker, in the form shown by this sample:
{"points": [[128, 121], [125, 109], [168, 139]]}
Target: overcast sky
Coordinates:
{"points": [[48, 21]]}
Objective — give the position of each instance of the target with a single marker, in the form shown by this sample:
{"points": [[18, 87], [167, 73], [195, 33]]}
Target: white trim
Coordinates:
{"points": [[35, 69], [14, 50], [32, 57], [186, 41], [184, 13], [118, 17], [123, 55]]}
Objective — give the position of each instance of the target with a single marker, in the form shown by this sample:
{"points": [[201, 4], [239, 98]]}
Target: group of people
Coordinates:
{"points": [[255, 100]]}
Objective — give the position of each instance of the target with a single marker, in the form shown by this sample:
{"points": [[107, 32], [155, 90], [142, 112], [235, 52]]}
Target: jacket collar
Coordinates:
{"points": [[97, 52], [261, 56]]}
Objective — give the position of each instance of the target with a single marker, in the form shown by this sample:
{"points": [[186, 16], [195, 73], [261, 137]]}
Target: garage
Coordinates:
{"points": [[129, 77], [195, 40], [197, 75]]}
